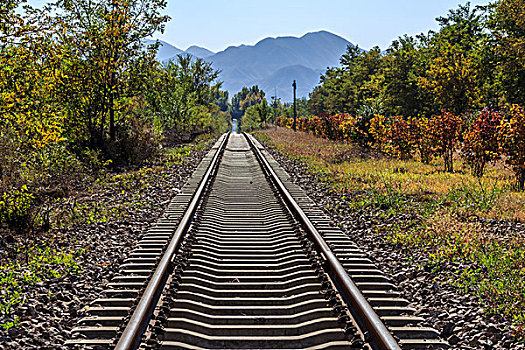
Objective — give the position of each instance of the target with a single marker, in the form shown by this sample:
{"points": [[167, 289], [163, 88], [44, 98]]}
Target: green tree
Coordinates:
{"points": [[246, 98], [301, 107], [344, 90], [221, 100], [104, 41], [256, 116], [507, 21], [454, 61], [402, 65], [182, 93]]}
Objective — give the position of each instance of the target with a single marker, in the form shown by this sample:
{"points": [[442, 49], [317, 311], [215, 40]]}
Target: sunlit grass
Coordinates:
{"points": [[448, 208], [349, 169]]}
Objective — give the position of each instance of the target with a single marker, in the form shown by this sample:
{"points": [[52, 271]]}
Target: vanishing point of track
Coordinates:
{"points": [[243, 259]]}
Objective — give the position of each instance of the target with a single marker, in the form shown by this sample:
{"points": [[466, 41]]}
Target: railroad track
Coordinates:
{"points": [[243, 259]]}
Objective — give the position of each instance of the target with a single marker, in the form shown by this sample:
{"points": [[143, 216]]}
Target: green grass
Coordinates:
{"points": [[42, 262]]}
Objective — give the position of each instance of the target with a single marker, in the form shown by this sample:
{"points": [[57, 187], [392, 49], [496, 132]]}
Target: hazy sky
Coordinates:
{"points": [[217, 24]]}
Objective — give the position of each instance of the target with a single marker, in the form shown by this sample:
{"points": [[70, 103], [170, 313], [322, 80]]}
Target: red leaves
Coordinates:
{"points": [[512, 141], [490, 135], [481, 140], [445, 130]]}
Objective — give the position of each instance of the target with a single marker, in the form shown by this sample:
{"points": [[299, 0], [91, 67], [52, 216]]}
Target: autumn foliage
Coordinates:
{"points": [[491, 135], [512, 141], [481, 140], [80, 89], [445, 129]]}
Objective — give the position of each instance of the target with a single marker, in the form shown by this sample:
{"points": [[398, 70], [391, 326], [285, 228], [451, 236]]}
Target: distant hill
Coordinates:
{"points": [[276, 62], [168, 51], [199, 52], [305, 77], [273, 63]]}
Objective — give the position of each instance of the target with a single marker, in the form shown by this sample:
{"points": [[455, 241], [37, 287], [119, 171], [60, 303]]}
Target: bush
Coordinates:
{"points": [[256, 117], [481, 141], [15, 207], [136, 143], [512, 141], [445, 129], [420, 131]]}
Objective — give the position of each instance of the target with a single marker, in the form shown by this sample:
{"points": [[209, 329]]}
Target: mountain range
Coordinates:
{"points": [[167, 51], [272, 63]]}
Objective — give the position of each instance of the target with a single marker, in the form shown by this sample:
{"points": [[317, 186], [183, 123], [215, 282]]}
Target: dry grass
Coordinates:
{"points": [[350, 168], [446, 204]]}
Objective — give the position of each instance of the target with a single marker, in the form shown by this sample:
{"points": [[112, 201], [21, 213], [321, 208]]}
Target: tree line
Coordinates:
{"points": [[475, 60]]}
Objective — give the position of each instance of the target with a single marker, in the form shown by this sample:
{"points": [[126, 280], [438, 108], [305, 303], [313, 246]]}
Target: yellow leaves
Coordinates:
{"points": [[26, 92]]}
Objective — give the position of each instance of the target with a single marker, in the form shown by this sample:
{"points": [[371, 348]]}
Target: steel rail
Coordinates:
{"points": [[381, 337], [138, 322]]}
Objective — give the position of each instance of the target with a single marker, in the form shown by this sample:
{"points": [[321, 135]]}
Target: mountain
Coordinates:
{"points": [[168, 51], [306, 79], [273, 63], [276, 62], [199, 52]]}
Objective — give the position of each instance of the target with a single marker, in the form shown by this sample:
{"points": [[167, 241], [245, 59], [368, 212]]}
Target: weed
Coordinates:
{"points": [[475, 197], [43, 262]]}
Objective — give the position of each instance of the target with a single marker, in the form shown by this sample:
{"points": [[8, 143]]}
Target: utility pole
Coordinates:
{"points": [[274, 98], [294, 107]]}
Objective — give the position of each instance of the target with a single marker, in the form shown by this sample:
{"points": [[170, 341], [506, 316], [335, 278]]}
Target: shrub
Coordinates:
{"points": [[420, 134], [136, 143], [512, 141], [255, 117], [401, 138], [445, 129], [379, 130], [15, 207], [481, 141]]}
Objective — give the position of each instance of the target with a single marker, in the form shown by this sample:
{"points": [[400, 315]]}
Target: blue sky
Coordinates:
{"points": [[217, 24]]}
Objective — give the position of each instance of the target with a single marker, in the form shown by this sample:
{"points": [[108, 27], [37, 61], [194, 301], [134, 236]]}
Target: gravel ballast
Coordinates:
{"points": [[54, 307], [460, 318]]}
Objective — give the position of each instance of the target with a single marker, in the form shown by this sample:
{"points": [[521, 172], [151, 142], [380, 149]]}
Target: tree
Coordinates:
{"points": [[180, 92], [31, 120], [403, 64], [445, 129], [331, 96], [401, 90], [481, 140], [221, 100], [301, 106], [104, 41], [454, 61], [256, 116], [512, 141], [508, 27], [246, 98], [344, 90]]}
